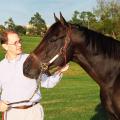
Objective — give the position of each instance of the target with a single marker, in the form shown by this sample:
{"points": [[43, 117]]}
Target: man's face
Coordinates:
{"points": [[14, 44]]}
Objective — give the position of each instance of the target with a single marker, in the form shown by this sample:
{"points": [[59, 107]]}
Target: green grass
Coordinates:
{"points": [[76, 97]]}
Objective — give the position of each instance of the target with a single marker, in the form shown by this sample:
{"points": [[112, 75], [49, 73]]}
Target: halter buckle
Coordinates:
{"points": [[44, 66]]}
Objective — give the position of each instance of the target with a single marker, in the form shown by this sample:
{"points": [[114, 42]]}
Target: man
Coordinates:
{"points": [[19, 95]]}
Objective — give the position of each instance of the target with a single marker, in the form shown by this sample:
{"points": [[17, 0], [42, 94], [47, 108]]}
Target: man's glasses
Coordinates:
{"points": [[15, 43]]}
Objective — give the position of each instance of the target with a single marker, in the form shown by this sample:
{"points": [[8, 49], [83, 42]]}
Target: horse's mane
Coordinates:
{"points": [[101, 44]]}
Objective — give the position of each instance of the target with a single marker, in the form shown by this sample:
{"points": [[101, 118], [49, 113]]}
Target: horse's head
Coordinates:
{"points": [[53, 52]]}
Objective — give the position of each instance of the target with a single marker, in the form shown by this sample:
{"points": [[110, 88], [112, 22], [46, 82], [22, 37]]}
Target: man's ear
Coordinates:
{"points": [[5, 46]]}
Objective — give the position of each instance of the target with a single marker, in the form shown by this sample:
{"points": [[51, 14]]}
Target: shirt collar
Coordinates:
{"points": [[14, 60]]}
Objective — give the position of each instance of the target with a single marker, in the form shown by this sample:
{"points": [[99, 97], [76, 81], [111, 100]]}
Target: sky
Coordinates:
{"points": [[21, 11]]}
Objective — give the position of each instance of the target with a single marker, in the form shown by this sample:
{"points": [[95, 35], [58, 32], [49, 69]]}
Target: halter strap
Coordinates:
{"points": [[63, 50]]}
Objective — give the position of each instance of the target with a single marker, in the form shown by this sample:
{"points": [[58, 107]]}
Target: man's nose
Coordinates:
{"points": [[19, 44]]}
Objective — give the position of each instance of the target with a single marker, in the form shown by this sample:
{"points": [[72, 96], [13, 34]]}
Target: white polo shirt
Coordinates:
{"points": [[15, 87]]}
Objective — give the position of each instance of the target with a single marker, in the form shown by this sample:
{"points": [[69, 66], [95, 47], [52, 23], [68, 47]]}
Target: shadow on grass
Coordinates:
{"points": [[100, 113]]}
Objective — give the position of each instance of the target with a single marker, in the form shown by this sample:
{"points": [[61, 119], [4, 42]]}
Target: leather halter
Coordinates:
{"points": [[63, 50]]}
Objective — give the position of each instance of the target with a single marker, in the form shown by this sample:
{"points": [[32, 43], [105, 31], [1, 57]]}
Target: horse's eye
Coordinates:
{"points": [[53, 39]]}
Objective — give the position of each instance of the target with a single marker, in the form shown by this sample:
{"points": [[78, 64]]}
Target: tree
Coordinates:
{"points": [[20, 29], [2, 28], [9, 24], [39, 24], [108, 15], [75, 19], [83, 18], [87, 18]]}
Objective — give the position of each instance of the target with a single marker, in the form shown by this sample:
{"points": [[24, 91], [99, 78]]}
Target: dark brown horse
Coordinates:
{"points": [[99, 55]]}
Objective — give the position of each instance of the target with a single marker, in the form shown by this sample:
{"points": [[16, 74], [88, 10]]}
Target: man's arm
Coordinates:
{"points": [[51, 81]]}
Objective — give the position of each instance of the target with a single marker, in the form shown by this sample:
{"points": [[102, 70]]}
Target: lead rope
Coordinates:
{"points": [[2, 115], [38, 85]]}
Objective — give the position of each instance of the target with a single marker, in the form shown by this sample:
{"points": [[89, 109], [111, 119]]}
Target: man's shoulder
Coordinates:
{"points": [[24, 56], [2, 62]]}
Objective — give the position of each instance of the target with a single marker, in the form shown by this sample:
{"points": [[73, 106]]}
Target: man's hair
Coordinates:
{"points": [[4, 36]]}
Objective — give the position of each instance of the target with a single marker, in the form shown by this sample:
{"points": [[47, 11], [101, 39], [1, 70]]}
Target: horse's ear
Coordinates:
{"points": [[62, 19], [56, 19]]}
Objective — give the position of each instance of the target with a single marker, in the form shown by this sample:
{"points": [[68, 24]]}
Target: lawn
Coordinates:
{"points": [[76, 97]]}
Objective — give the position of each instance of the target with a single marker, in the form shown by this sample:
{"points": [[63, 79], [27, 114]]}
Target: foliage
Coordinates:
{"points": [[108, 13], [105, 18], [20, 29], [2, 28], [39, 25], [9, 24], [85, 18], [75, 19]]}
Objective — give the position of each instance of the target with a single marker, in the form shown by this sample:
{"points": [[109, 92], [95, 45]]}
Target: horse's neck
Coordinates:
{"points": [[80, 58], [83, 60]]}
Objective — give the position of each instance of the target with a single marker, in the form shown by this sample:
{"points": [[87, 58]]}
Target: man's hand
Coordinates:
{"points": [[3, 106], [63, 69]]}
